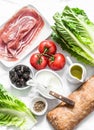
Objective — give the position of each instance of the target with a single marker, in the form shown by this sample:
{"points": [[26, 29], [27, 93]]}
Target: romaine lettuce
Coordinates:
{"points": [[14, 112], [75, 33]]}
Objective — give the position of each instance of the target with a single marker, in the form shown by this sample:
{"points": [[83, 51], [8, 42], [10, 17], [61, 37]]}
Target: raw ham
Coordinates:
{"points": [[19, 32]]}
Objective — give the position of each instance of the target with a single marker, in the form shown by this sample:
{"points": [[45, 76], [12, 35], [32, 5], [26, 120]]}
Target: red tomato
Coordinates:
{"points": [[48, 47], [38, 61], [57, 61]]}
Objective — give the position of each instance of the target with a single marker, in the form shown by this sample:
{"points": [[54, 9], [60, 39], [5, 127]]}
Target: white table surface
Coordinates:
{"points": [[47, 8]]}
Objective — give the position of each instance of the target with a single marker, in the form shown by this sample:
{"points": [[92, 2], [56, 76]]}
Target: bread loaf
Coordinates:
{"points": [[65, 117]]}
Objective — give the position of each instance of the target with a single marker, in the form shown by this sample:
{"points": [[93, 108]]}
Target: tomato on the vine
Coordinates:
{"points": [[47, 47], [38, 61], [56, 61], [47, 56]]}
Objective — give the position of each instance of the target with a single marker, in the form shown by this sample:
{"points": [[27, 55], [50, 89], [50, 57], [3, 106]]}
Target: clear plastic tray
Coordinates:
{"points": [[43, 34]]}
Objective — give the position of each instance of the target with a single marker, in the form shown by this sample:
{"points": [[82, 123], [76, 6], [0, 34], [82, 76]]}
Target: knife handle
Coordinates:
{"points": [[62, 98]]}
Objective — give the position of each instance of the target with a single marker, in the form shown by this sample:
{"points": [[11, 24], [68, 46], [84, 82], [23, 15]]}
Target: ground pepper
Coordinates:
{"points": [[39, 106]]}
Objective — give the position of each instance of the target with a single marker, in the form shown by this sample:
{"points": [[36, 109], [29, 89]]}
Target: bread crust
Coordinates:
{"points": [[64, 117]]}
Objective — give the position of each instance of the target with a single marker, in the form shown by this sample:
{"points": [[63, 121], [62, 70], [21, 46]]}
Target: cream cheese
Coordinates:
{"points": [[50, 79]]}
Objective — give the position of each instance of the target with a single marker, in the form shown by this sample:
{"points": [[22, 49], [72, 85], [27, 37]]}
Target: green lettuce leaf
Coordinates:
{"points": [[14, 112], [79, 24], [64, 46], [76, 31]]}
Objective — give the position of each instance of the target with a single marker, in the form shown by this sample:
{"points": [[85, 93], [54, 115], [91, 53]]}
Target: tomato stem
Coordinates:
{"points": [[44, 54], [52, 58], [46, 50], [39, 60]]}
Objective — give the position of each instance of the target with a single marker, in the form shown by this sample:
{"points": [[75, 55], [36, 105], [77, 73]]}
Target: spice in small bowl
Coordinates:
{"points": [[38, 105]]}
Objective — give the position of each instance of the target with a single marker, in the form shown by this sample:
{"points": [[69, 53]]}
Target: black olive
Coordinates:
{"points": [[26, 76], [18, 84], [14, 78], [19, 73], [18, 67], [22, 68], [22, 81], [26, 69], [15, 75], [11, 73]]}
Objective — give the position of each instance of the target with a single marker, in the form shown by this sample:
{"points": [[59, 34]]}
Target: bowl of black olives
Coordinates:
{"points": [[19, 75]]}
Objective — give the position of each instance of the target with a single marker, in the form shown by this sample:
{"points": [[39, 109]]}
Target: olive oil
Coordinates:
{"points": [[76, 71]]}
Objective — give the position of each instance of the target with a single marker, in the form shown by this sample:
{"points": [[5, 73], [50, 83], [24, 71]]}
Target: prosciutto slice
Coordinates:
{"points": [[19, 32]]}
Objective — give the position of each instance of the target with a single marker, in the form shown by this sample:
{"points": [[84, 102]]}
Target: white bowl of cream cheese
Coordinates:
{"points": [[51, 80]]}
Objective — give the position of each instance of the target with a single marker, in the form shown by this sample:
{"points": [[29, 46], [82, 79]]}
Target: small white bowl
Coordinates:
{"points": [[24, 87], [50, 79], [36, 99]]}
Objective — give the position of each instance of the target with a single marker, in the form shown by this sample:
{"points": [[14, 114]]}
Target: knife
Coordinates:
{"points": [[35, 83], [62, 98]]}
